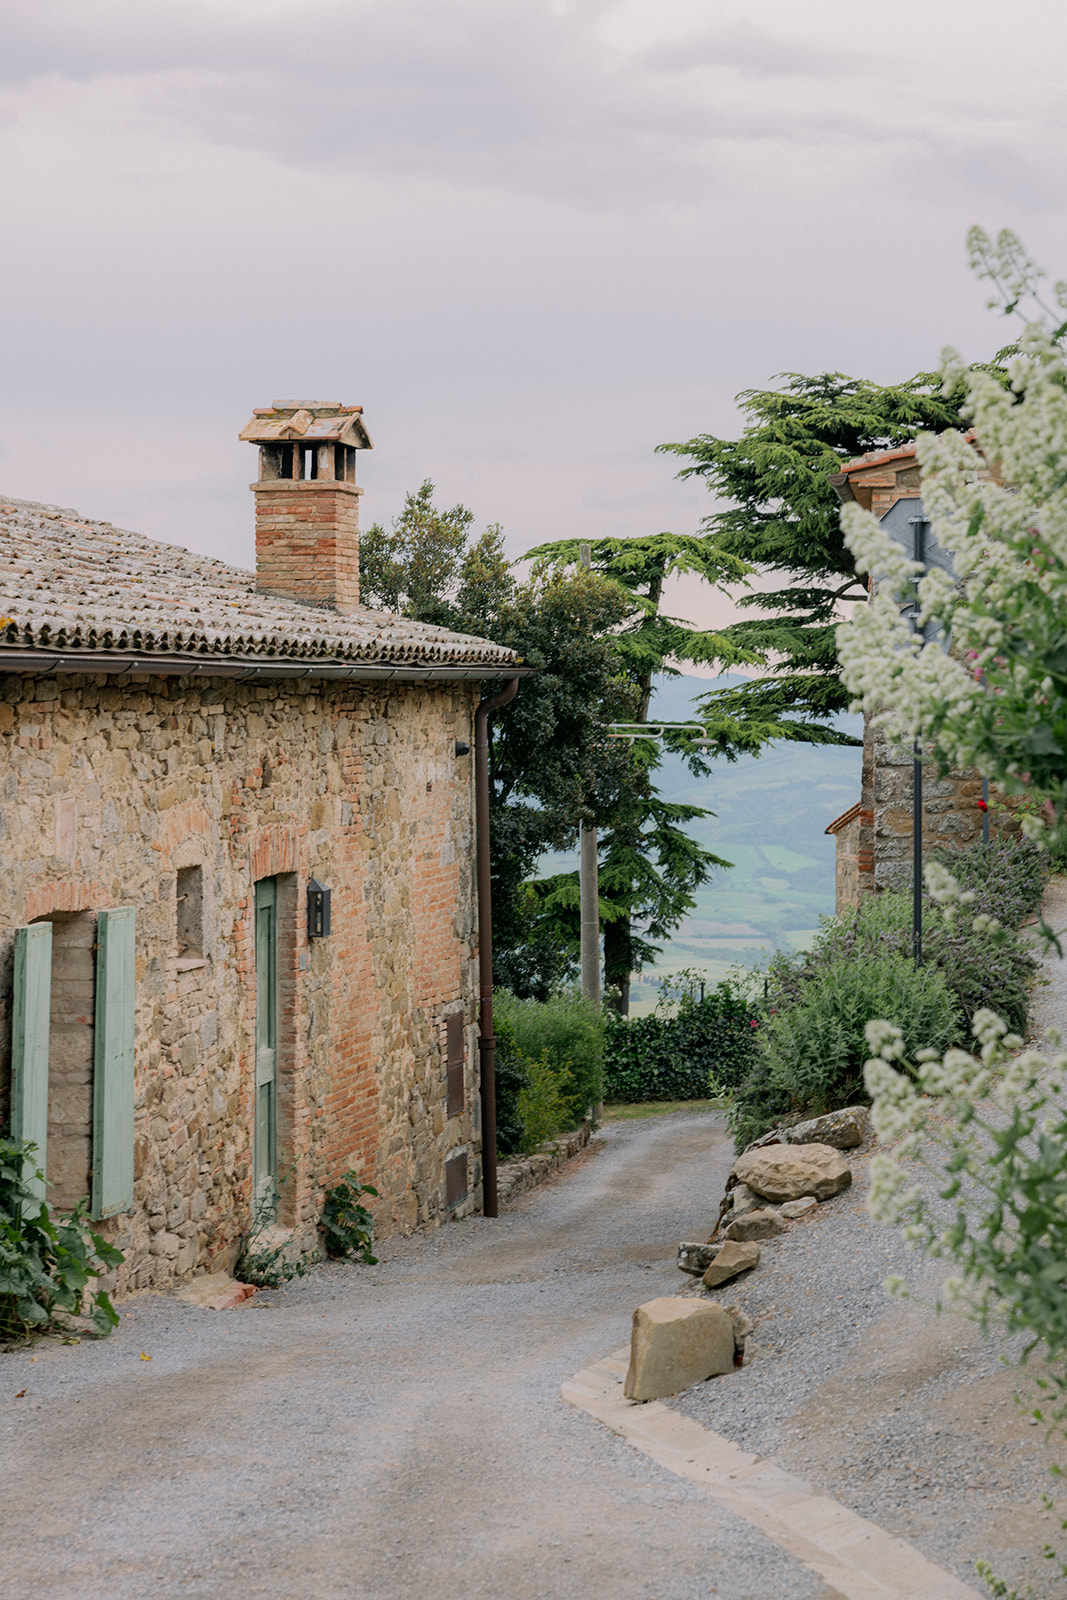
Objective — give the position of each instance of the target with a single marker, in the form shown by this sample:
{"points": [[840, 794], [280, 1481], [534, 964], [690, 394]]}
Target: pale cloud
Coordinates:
{"points": [[535, 239]]}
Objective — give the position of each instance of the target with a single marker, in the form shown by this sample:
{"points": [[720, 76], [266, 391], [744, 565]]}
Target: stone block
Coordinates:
{"points": [[843, 1129], [798, 1208], [765, 1224], [696, 1258], [744, 1199], [675, 1343], [734, 1257]]}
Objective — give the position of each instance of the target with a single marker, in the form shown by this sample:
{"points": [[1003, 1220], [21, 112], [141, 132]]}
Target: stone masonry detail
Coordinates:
{"points": [[108, 791]]}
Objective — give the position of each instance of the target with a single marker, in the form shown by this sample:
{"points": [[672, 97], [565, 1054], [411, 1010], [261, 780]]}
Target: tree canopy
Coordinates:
{"points": [[597, 636], [781, 518]]}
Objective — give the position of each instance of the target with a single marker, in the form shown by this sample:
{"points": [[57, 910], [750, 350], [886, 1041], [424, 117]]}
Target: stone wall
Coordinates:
{"points": [[109, 792], [951, 820]]}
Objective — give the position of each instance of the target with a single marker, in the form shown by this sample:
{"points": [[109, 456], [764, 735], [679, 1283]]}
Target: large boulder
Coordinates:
{"points": [[844, 1129], [765, 1224], [790, 1171], [731, 1259], [676, 1342]]}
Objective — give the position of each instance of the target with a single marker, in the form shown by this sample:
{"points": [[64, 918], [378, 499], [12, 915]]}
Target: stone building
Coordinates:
{"points": [[874, 837], [237, 912]]}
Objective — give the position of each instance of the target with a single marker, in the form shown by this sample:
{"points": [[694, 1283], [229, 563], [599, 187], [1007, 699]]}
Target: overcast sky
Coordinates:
{"points": [[533, 238]]}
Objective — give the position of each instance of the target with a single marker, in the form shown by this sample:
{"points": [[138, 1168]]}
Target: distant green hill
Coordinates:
{"points": [[772, 813]]}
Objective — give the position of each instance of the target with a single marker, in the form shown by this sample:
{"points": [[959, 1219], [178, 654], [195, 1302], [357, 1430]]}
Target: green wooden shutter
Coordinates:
{"points": [[29, 1039], [264, 1137], [113, 1063]]}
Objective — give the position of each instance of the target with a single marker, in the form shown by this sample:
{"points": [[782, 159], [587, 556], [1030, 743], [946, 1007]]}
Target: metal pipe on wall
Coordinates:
{"points": [[919, 529], [486, 1038]]}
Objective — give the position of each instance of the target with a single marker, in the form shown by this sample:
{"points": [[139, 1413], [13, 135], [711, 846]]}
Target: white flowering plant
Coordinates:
{"points": [[995, 1201], [997, 499]]}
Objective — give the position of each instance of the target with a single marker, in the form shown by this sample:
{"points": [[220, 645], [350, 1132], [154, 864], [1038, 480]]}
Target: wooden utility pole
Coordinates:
{"points": [[589, 879]]}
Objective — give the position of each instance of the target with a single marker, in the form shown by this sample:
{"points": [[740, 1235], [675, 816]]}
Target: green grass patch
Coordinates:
{"points": [[660, 1108]]}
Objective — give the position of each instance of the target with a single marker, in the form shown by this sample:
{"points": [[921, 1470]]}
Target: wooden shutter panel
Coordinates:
{"points": [[456, 1180], [113, 1063], [455, 1038], [29, 1039]]}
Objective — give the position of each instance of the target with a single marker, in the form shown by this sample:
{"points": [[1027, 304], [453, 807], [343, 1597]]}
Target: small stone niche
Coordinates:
{"points": [[189, 918]]}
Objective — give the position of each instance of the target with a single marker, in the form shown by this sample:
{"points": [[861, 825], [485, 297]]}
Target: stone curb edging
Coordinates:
{"points": [[515, 1177], [855, 1557]]}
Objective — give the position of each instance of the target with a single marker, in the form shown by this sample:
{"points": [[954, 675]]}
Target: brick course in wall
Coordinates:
{"points": [[108, 790]]}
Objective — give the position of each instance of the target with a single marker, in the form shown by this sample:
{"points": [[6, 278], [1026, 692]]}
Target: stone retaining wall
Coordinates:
{"points": [[526, 1172]]}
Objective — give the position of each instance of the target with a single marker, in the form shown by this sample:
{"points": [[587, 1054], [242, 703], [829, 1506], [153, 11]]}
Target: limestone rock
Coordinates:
{"points": [[676, 1342], [763, 1224], [731, 1259], [743, 1326], [842, 1129], [799, 1208], [744, 1200], [696, 1258], [791, 1171], [216, 1291]]}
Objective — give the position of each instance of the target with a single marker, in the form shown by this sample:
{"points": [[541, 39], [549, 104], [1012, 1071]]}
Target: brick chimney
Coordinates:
{"points": [[307, 502]]}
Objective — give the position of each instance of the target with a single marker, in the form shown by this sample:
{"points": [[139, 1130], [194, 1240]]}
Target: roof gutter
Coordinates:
{"points": [[44, 663]]}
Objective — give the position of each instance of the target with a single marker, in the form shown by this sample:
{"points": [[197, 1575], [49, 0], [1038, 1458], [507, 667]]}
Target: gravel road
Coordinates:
{"points": [[389, 1431]]}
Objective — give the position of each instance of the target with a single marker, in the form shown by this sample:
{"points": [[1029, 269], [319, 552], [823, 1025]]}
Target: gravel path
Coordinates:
{"points": [[387, 1432], [906, 1417]]}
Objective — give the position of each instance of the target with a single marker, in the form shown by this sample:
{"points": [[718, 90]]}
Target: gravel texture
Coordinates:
{"points": [[906, 1417], [389, 1431]]}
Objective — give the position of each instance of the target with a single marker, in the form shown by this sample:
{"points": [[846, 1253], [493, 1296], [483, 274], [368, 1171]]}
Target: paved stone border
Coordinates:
{"points": [[855, 1557], [515, 1177]]}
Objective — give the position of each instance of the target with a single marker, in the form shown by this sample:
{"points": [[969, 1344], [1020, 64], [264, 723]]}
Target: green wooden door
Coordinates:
{"points": [[113, 1062], [264, 1152], [32, 999]]}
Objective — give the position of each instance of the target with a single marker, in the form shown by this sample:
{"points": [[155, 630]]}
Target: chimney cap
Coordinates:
{"points": [[321, 421]]}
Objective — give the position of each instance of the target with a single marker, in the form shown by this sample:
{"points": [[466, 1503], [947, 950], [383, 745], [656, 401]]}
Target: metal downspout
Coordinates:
{"points": [[486, 1039]]}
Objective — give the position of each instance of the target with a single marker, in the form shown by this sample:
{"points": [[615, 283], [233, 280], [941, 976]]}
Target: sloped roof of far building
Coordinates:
{"points": [[90, 592]]}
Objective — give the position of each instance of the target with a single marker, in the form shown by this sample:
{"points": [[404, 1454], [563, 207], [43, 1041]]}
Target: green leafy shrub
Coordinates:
{"points": [[570, 1029], [1006, 876], [760, 1103], [544, 1102], [346, 1224], [261, 1262], [46, 1263], [675, 1056], [814, 1048], [983, 970], [512, 1076]]}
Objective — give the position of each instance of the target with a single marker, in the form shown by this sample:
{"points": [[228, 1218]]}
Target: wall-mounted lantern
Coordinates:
{"points": [[318, 909]]}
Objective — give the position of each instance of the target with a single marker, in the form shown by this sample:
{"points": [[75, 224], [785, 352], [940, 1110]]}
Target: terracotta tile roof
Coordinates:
{"points": [[68, 583], [302, 421], [844, 819], [877, 458]]}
